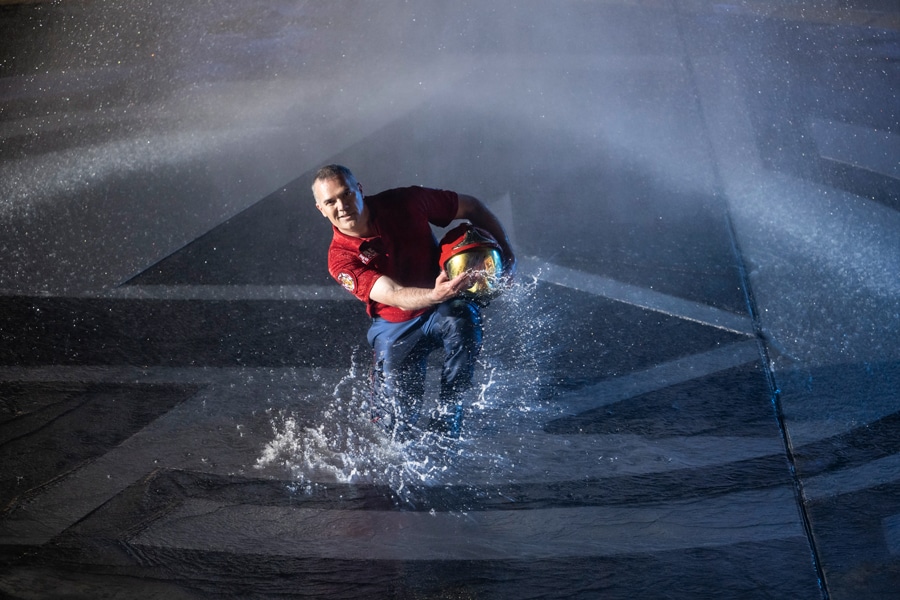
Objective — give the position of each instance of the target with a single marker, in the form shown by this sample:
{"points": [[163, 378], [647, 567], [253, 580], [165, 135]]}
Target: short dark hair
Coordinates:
{"points": [[335, 171]]}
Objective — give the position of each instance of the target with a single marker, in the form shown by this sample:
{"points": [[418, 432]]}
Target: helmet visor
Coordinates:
{"points": [[484, 263]]}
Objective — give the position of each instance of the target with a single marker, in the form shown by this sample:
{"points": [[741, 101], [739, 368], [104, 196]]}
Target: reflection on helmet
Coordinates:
{"points": [[469, 249]]}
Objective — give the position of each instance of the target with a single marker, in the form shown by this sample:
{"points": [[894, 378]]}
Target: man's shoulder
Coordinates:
{"points": [[398, 193], [413, 194]]}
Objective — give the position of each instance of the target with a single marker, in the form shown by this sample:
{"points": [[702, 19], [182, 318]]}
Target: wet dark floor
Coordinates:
{"points": [[691, 392], [651, 458]]}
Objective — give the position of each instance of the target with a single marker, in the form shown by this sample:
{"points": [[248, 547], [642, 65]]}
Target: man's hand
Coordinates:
{"points": [[446, 288]]}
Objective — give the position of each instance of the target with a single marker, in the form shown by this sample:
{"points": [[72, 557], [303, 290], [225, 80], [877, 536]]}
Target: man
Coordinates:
{"points": [[384, 252]]}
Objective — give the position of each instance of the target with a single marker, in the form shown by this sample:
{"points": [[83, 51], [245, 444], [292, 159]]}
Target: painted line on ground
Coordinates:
{"points": [[224, 292], [874, 473], [635, 295], [743, 517], [660, 376], [539, 269]]}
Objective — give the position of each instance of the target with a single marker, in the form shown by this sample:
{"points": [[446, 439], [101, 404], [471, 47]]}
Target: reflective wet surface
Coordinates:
{"points": [[690, 392]]}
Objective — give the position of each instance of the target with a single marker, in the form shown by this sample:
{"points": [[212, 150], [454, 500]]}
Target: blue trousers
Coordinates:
{"points": [[401, 358]]}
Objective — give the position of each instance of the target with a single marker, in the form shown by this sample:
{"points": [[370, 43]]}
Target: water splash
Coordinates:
{"points": [[332, 439]]}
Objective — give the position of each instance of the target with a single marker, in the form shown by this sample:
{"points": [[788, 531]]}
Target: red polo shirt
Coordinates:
{"points": [[404, 247]]}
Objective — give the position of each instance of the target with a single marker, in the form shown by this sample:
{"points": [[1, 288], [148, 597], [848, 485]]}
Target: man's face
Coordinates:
{"points": [[342, 205]]}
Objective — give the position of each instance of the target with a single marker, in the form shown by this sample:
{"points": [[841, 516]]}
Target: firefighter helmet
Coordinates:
{"points": [[469, 248]]}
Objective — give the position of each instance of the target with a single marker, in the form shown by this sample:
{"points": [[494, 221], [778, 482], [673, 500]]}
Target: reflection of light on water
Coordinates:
{"points": [[336, 442]]}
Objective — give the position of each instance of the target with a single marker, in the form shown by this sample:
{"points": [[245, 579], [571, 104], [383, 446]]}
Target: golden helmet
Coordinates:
{"points": [[469, 248]]}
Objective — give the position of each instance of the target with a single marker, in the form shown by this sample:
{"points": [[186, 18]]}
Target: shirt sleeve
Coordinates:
{"points": [[348, 270], [353, 276]]}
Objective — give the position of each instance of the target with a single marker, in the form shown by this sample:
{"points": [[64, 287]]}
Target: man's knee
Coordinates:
{"points": [[462, 326]]}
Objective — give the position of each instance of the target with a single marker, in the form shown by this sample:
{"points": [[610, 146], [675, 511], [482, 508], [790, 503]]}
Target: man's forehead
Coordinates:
{"points": [[333, 186]]}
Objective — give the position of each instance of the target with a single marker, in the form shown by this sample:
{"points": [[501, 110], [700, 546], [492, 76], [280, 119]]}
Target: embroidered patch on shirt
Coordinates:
{"points": [[346, 280], [367, 255]]}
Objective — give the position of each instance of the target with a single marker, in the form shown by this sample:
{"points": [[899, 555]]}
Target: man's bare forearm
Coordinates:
{"points": [[388, 291]]}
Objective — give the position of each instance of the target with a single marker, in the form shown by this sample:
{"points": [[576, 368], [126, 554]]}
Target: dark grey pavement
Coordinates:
{"points": [[691, 392]]}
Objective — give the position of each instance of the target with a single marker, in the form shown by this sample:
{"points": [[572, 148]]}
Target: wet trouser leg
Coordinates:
{"points": [[401, 354], [459, 324], [398, 374]]}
